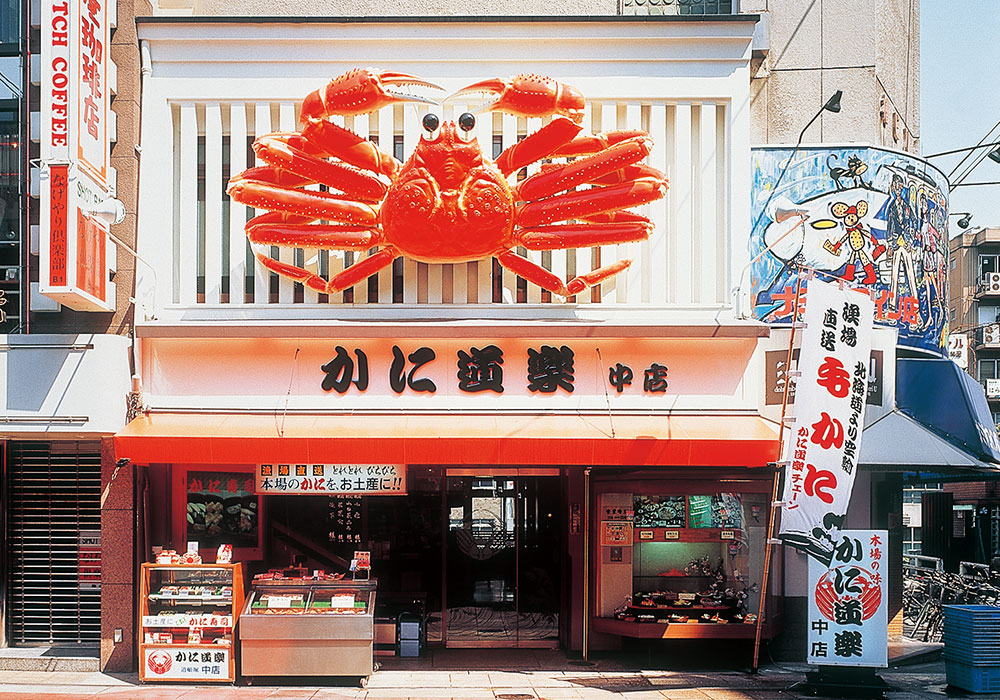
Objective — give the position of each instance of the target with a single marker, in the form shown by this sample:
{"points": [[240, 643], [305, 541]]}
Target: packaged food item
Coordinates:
{"points": [[194, 635], [168, 556], [190, 558], [225, 554]]}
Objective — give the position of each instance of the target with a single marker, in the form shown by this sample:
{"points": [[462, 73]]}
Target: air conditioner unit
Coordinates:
{"points": [[991, 282], [991, 334]]}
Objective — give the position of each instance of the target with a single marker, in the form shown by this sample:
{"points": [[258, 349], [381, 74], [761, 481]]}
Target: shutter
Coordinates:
{"points": [[54, 493]]}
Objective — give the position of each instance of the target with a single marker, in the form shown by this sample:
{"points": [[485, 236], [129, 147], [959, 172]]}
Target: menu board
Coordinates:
{"points": [[222, 509]]}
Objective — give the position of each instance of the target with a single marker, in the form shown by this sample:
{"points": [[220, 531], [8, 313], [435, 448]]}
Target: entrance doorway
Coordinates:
{"points": [[503, 560]]}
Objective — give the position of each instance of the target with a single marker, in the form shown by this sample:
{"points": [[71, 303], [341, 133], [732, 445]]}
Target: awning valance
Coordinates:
{"points": [[717, 440]]}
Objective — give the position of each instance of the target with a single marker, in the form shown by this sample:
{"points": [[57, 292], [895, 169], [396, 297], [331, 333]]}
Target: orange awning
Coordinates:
{"points": [[449, 439]]}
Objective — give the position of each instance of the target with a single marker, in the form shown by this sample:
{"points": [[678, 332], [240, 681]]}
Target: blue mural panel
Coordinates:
{"points": [[874, 218]]}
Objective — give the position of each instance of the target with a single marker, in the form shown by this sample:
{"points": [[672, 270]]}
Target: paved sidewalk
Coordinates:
{"points": [[552, 677]]}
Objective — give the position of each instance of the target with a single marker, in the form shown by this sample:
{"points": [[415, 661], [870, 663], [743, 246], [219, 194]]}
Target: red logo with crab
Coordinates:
{"points": [[159, 662], [448, 202], [848, 594]]}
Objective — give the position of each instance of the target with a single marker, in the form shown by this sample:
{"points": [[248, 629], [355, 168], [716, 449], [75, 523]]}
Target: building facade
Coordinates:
{"points": [[537, 506]]}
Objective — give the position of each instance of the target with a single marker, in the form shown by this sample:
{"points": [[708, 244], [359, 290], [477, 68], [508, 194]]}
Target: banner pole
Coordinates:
{"points": [[774, 486]]}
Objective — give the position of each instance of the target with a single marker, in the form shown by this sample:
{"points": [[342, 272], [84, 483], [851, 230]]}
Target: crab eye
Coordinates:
{"points": [[467, 122], [431, 122]]}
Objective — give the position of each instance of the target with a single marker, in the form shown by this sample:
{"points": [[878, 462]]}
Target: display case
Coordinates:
{"points": [[188, 617], [308, 628], [686, 564]]}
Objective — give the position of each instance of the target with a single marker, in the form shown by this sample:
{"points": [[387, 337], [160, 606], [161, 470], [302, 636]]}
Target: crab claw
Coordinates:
{"points": [[529, 96], [360, 91]]}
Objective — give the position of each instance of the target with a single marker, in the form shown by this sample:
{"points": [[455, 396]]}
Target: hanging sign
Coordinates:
{"points": [[848, 603], [75, 154], [355, 479], [186, 663], [821, 453], [958, 349]]}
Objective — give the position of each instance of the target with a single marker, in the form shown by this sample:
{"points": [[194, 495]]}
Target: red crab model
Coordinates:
{"points": [[448, 203]]}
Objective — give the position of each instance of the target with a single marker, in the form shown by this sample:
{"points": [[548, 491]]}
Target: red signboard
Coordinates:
{"points": [[90, 239], [58, 219]]}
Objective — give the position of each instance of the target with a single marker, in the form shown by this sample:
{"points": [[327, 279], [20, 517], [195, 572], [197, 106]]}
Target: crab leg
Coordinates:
{"points": [[577, 205], [305, 203], [584, 170], [592, 143], [562, 236], [359, 91], [617, 217], [538, 145], [281, 151], [529, 95], [339, 282], [301, 235], [335, 140], [548, 280], [639, 171]]}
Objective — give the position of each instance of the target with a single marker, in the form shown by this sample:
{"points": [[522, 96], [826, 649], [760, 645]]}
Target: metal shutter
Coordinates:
{"points": [[54, 493]]}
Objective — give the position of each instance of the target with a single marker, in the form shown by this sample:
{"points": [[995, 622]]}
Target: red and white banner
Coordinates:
{"points": [[821, 453], [75, 154], [186, 663], [849, 602]]}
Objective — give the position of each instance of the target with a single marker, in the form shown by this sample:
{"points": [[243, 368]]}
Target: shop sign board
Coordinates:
{"points": [[188, 663], [615, 533], [821, 452], [89, 549], [75, 154], [224, 621], [958, 349], [776, 374], [848, 603], [331, 479]]}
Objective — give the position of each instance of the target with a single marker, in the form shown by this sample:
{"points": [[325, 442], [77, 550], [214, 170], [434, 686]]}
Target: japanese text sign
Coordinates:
{"points": [[821, 454], [187, 663], [90, 560], [355, 479], [848, 603]]}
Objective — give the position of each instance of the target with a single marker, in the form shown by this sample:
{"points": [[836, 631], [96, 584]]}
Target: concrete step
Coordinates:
{"points": [[74, 659]]}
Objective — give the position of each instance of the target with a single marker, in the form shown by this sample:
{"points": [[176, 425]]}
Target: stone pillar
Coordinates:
{"points": [[118, 574]]}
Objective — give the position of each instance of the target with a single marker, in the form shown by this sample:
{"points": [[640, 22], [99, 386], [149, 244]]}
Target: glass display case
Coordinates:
{"points": [[691, 566], [188, 616], [308, 628]]}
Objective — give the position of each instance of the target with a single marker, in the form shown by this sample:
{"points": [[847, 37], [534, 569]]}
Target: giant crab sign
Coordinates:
{"points": [[448, 203]]}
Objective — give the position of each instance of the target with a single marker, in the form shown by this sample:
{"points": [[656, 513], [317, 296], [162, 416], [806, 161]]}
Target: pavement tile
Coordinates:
{"points": [[507, 679], [558, 693], [725, 694], [684, 694]]}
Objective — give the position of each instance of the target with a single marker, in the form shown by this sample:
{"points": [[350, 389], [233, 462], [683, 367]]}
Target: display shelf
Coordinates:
{"points": [[677, 630], [685, 534], [189, 636]]}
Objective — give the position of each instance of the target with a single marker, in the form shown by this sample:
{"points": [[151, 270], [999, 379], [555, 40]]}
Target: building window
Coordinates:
{"points": [[953, 314], [988, 263], [987, 369], [954, 263]]}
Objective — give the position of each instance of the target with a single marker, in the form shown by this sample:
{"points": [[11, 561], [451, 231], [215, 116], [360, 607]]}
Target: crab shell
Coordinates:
{"points": [[449, 203]]}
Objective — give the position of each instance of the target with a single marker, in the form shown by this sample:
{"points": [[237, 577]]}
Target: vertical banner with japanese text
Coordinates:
{"points": [[848, 603], [821, 452]]}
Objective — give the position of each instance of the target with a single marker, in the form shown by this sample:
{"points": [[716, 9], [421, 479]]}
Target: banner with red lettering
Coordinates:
{"points": [[821, 452]]}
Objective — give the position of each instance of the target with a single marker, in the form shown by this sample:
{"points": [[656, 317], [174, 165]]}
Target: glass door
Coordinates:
{"points": [[503, 561]]}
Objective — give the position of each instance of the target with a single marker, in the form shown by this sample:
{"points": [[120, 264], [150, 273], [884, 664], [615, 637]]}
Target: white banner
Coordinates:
{"points": [[958, 349], [192, 663], [183, 620], [355, 479], [821, 453], [848, 603]]}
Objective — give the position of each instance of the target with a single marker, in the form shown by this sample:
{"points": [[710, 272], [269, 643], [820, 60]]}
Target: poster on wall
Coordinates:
{"points": [[821, 453], [89, 550], [221, 509], [848, 603], [870, 217]]}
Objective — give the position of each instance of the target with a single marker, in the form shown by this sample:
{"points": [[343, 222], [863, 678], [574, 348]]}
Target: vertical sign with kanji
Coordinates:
{"points": [[821, 453], [848, 603]]}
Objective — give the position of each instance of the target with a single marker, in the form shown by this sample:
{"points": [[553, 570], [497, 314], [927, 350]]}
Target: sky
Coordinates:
{"points": [[960, 95]]}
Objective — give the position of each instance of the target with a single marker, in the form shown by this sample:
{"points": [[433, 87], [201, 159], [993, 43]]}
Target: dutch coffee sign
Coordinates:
{"points": [[75, 154]]}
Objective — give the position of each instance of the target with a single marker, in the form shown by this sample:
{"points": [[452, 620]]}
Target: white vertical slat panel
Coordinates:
{"points": [[584, 256], [261, 277], [188, 206], [633, 277], [412, 115], [286, 288], [654, 253], [680, 229], [722, 202], [534, 291], [213, 203], [711, 255], [556, 258], [326, 262], [237, 211], [363, 127], [478, 275], [386, 140], [613, 288], [509, 134]]}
